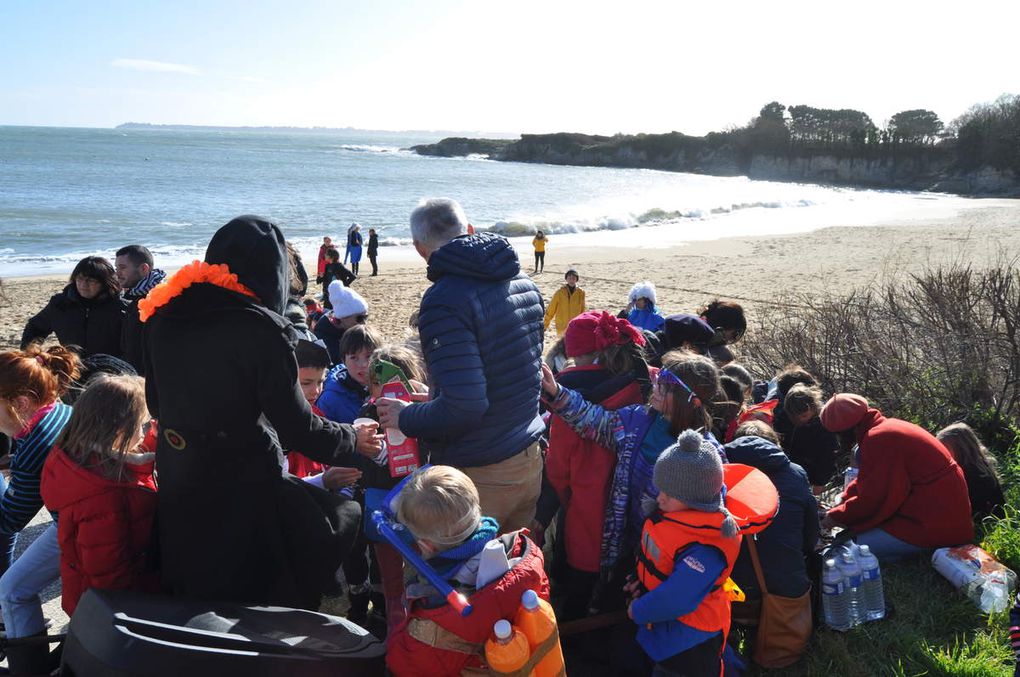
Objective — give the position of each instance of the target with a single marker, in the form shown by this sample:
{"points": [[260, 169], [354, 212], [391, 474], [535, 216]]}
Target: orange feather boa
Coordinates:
{"points": [[196, 272]]}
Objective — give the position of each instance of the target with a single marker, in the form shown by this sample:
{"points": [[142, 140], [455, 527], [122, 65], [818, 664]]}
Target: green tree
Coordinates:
{"points": [[916, 127]]}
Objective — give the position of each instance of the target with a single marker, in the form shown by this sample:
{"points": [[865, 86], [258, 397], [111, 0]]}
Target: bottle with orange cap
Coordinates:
{"points": [[537, 621], [507, 650]]}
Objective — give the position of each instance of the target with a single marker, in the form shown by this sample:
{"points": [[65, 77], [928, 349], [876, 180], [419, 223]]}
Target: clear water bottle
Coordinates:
{"points": [[871, 585], [849, 475], [851, 571], [834, 598]]}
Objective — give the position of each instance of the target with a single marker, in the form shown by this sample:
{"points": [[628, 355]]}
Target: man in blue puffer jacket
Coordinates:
{"points": [[481, 333]]}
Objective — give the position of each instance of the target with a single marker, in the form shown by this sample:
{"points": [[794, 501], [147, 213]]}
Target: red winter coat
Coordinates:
{"points": [[500, 599], [908, 485], [580, 470], [104, 526]]}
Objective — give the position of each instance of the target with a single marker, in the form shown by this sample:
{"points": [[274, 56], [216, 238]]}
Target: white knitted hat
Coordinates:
{"points": [[642, 290], [345, 300]]}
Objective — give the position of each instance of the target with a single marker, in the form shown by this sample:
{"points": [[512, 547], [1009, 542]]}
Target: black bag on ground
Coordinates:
{"points": [[120, 633]]}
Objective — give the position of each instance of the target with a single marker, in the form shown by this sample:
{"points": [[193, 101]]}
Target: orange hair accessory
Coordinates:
{"points": [[196, 272]]}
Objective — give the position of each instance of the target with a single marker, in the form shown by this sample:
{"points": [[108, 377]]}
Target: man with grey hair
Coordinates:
{"points": [[481, 333]]}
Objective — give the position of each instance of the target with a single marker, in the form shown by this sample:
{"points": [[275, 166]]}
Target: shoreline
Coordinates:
{"points": [[750, 269]]}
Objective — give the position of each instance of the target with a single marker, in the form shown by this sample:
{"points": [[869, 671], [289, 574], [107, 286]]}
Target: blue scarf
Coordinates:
{"points": [[447, 562]]}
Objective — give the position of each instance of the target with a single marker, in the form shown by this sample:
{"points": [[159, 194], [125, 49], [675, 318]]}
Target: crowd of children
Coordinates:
{"points": [[663, 457]]}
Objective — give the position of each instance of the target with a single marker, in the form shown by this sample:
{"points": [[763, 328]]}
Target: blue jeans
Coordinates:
{"points": [[21, 584], [886, 547]]}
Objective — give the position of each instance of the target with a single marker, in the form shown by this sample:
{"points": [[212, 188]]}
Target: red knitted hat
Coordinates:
{"points": [[843, 412], [596, 330]]}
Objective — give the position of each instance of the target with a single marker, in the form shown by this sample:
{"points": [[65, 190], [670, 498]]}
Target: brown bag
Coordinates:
{"points": [[784, 626]]}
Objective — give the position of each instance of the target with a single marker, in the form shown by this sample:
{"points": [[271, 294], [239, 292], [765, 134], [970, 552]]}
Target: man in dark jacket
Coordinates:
{"points": [[481, 333], [137, 274], [785, 546], [222, 380]]}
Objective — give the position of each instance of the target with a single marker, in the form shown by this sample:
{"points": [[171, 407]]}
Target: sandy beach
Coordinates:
{"points": [[752, 270]]}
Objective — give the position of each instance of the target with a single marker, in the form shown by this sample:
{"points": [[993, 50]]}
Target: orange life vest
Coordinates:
{"points": [[765, 411], [752, 500]]}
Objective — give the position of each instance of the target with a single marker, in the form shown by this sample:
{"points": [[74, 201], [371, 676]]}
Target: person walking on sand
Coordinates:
{"points": [[481, 331], [327, 244], [539, 244], [566, 304], [373, 250]]}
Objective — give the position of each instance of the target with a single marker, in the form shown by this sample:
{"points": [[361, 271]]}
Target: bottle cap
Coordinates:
{"points": [[848, 557], [865, 550], [529, 600], [503, 629], [830, 562]]}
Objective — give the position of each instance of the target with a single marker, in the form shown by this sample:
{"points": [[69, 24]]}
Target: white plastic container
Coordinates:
{"points": [[985, 581]]}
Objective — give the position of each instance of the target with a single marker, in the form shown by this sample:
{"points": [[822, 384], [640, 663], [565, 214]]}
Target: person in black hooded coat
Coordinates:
{"points": [[785, 546], [222, 381]]}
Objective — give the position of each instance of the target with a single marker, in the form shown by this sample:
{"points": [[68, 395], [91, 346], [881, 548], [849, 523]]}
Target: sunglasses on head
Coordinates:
{"points": [[666, 377]]}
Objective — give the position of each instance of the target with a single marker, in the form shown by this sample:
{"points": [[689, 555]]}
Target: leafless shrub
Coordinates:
{"points": [[933, 347]]}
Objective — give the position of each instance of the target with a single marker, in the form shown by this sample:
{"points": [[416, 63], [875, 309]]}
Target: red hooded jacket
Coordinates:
{"points": [[581, 471], [908, 485], [104, 526]]}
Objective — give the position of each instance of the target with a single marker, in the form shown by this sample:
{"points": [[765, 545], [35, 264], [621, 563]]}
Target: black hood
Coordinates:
{"points": [[757, 452], [483, 256], [254, 250]]}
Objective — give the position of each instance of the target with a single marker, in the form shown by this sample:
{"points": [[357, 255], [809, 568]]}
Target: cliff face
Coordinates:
{"points": [[720, 155]]}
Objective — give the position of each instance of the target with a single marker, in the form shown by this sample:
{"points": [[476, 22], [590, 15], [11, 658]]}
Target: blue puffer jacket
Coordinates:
{"points": [[342, 397], [785, 545], [481, 332]]}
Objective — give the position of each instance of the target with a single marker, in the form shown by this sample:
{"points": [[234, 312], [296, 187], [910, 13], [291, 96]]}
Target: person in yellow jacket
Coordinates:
{"points": [[566, 304], [539, 244]]}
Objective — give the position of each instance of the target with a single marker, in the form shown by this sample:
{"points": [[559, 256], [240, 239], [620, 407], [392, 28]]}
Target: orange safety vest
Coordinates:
{"points": [[753, 501]]}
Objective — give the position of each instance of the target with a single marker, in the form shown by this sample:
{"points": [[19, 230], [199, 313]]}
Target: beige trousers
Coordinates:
{"points": [[509, 490]]}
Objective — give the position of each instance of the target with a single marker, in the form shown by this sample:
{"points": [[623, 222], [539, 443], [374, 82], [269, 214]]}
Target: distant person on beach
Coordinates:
{"points": [[641, 311], [327, 244], [263, 537], [334, 270], [137, 275], [539, 244], [348, 308], [481, 330], [909, 496], [373, 250], [88, 313], [354, 242], [566, 304], [31, 413]]}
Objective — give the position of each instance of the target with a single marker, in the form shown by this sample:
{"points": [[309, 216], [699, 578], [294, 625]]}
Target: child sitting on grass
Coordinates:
{"points": [[439, 506], [983, 483], [101, 482]]}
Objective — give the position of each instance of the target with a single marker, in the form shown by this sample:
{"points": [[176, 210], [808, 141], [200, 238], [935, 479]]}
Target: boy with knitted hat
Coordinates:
{"points": [[439, 506], [688, 548]]}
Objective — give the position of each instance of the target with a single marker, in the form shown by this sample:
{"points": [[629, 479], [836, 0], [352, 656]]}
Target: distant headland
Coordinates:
{"points": [[977, 154]]}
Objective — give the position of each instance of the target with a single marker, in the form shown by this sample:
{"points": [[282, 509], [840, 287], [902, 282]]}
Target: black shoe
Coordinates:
{"points": [[358, 613]]}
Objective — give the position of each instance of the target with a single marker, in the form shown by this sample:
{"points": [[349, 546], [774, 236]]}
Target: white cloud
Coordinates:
{"points": [[154, 66]]}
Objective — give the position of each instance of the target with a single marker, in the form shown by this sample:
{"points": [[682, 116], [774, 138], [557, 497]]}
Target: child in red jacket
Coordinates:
{"points": [[101, 483]]}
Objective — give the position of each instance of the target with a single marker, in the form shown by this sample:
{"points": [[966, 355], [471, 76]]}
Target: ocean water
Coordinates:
{"points": [[68, 193]]}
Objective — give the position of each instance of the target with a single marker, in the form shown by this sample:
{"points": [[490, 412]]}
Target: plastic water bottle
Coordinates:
{"points": [[834, 598], [851, 571], [507, 650], [871, 585], [849, 475]]}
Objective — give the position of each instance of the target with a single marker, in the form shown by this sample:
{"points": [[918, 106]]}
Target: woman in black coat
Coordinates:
{"points": [[373, 250], [222, 381], [89, 313]]}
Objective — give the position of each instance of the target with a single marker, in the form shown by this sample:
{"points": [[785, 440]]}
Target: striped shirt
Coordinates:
{"points": [[21, 501]]}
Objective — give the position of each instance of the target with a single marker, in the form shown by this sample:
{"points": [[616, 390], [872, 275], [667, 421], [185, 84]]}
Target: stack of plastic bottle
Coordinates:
{"points": [[852, 589], [533, 630]]}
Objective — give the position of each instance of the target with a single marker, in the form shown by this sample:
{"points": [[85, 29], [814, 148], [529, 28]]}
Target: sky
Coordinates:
{"points": [[692, 66]]}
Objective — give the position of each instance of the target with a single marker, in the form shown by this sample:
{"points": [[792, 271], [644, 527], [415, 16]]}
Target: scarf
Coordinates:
{"points": [[447, 562], [145, 285]]}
